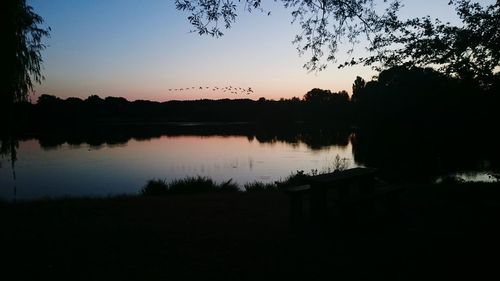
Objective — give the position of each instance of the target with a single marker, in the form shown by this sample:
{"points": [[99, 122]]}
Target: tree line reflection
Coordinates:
{"points": [[314, 137], [411, 155]]}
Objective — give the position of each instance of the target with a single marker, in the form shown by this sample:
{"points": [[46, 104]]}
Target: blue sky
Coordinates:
{"points": [[140, 49]]}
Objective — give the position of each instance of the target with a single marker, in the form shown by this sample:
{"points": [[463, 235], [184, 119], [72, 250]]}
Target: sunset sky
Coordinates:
{"points": [[140, 49]]}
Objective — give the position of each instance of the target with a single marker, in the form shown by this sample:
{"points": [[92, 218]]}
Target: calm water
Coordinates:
{"points": [[90, 170], [110, 160]]}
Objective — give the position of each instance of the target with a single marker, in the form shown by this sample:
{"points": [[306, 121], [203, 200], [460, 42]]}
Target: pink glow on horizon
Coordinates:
{"points": [[143, 57]]}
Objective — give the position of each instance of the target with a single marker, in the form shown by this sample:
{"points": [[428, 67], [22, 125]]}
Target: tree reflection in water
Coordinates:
{"points": [[8, 149], [401, 155]]}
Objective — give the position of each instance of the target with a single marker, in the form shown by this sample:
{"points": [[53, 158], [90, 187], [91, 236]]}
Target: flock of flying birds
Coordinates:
{"points": [[228, 89]]}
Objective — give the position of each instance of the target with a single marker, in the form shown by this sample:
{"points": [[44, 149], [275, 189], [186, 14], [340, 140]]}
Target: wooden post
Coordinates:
{"points": [[297, 194], [318, 203]]}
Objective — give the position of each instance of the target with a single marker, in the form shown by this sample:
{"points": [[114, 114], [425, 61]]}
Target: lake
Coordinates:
{"points": [[85, 169], [120, 160]]}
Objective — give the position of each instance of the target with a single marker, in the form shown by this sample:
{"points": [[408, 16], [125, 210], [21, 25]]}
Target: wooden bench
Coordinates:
{"points": [[341, 190], [337, 187]]}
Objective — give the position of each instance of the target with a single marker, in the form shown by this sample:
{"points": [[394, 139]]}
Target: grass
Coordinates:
{"points": [[260, 186], [158, 187], [199, 184]]}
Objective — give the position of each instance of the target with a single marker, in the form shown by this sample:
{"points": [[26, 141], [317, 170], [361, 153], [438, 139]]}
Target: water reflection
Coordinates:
{"points": [[52, 165], [121, 158], [484, 177], [314, 137], [8, 150], [425, 155]]}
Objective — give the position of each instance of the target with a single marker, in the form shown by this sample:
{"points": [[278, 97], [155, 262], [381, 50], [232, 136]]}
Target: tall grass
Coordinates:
{"points": [[159, 187], [260, 186]]}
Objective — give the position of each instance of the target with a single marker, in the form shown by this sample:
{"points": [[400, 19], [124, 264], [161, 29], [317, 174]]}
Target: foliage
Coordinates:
{"points": [[53, 110], [21, 50], [326, 96], [400, 96], [8, 148], [470, 51], [325, 24], [413, 96], [358, 85], [338, 164]]}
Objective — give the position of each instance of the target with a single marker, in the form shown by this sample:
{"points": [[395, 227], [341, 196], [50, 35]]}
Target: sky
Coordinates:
{"points": [[141, 49]]}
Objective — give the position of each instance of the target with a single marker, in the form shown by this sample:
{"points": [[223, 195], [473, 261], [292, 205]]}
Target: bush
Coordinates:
{"points": [[155, 187]]}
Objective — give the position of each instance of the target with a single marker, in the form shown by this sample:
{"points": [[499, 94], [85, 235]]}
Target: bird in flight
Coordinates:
{"points": [[229, 89]]}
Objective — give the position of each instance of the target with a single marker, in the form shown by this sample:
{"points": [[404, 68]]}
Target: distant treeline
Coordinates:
{"points": [[399, 96]]}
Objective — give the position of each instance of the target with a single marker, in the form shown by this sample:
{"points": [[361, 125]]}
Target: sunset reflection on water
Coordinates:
{"points": [[110, 169]]}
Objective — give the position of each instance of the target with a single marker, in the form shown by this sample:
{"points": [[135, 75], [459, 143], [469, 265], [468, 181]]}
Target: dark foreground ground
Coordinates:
{"points": [[443, 232]]}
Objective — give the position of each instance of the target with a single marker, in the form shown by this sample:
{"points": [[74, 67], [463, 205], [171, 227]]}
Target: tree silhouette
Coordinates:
{"points": [[318, 96], [21, 61], [21, 51], [470, 51], [326, 96], [324, 23], [357, 87]]}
